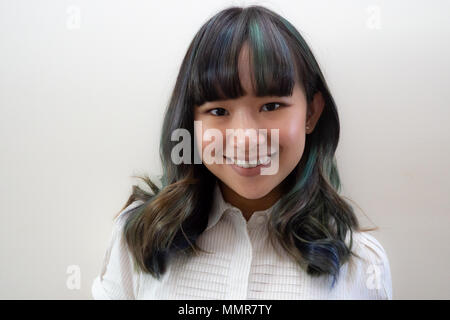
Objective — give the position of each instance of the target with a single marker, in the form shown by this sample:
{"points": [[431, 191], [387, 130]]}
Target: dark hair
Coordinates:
{"points": [[312, 220]]}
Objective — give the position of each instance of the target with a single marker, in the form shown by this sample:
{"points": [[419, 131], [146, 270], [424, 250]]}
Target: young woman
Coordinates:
{"points": [[225, 230]]}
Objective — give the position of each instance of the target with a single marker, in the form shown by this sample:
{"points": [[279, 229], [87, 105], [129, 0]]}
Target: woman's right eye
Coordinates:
{"points": [[217, 114]]}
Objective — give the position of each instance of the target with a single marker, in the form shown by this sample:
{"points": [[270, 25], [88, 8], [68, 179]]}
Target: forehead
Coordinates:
{"points": [[247, 76], [245, 72]]}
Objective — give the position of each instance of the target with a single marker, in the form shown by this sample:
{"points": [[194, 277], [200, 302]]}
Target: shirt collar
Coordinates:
{"points": [[220, 206]]}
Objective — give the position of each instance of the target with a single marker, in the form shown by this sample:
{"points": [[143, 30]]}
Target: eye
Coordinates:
{"points": [[217, 114], [273, 105]]}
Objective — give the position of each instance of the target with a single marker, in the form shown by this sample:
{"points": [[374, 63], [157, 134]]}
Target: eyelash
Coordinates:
{"points": [[279, 103]]}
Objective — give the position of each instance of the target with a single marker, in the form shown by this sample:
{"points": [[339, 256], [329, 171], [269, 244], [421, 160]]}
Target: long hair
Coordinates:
{"points": [[312, 221]]}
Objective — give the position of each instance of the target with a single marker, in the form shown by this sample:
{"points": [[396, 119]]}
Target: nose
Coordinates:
{"points": [[245, 128]]}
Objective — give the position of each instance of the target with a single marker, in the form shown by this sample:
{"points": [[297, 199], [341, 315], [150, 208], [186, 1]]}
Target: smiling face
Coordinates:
{"points": [[288, 114]]}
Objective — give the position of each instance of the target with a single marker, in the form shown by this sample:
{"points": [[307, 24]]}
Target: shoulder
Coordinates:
{"points": [[122, 216], [117, 278], [120, 221], [374, 265], [369, 246]]}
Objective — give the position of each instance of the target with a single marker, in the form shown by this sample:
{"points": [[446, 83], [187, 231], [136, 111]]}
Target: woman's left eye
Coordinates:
{"points": [[272, 104]]}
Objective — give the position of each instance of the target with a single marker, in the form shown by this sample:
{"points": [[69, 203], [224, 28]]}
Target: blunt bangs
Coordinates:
{"points": [[214, 73]]}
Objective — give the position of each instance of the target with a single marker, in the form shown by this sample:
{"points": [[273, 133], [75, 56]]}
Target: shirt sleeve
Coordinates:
{"points": [[376, 268], [117, 280]]}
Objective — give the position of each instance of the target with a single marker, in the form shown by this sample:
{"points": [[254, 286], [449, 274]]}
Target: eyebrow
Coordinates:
{"points": [[204, 105]]}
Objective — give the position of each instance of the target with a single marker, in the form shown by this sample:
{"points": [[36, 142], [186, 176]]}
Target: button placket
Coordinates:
{"points": [[256, 220], [256, 231], [240, 268]]}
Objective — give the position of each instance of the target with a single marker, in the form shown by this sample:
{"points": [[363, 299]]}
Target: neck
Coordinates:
{"points": [[248, 206]]}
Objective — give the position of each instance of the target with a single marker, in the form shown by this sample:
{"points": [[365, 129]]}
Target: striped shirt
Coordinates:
{"points": [[241, 264]]}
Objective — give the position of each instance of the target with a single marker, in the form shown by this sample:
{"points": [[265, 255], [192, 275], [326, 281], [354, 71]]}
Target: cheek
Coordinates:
{"points": [[292, 138], [293, 131], [198, 137], [202, 141]]}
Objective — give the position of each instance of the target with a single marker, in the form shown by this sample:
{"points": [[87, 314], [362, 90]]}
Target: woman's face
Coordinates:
{"points": [[287, 114]]}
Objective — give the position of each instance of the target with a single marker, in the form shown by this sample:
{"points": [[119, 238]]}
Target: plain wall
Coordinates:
{"points": [[83, 88]]}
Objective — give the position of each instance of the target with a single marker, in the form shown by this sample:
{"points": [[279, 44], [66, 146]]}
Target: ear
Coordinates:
{"points": [[315, 109]]}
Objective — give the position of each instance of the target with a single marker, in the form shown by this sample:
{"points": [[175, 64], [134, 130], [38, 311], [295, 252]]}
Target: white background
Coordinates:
{"points": [[82, 98]]}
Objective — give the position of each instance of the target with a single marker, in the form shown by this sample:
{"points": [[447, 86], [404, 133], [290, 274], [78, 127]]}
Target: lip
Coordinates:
{"points": [[250, 172]]}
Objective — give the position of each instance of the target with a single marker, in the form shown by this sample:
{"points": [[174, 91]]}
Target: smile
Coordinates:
{"points": [[263, 160]]}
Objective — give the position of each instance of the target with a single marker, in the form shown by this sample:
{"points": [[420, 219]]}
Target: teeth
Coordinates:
{"points": [[245, 164]]}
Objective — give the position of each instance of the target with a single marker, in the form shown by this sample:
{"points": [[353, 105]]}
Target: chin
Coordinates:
{"points": [[252, 192]]}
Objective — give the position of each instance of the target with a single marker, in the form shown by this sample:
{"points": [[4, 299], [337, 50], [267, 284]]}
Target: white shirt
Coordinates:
{"points": [[242, 265]]}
